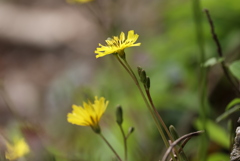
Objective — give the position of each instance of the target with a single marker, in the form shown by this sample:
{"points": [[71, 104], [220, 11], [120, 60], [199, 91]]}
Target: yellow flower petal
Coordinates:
{"points": [[88, 115], [122, 37], [130, 34], [16, 150], [78, 1], [117, 45]]}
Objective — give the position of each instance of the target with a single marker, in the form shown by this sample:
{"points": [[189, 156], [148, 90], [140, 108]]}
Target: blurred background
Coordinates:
{"points": [[47, 63]]}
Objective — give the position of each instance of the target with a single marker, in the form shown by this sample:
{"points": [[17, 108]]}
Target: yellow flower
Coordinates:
{"points": [[89, 114], [17, 150], [117, 45], [79, 1]]}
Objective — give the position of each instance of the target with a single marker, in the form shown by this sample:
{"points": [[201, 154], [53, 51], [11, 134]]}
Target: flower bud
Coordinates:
{"points": [[143, 76], [173, 132], [119, 115], [147, 83], [130, 130], [139, 70]]}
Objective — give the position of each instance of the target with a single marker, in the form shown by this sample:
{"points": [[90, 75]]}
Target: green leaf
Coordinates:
{"points": [[212, 61], [227, 113], [215, 132], [234, 102], [230, 109], [218, 157], [235, 69], [174, 133]]}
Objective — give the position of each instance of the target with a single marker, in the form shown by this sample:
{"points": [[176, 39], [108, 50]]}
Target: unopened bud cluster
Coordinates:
{"points": [[144, 78]]}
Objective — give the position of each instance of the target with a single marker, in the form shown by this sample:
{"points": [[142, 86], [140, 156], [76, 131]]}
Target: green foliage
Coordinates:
{"points": [[173, 131], [235, 69], [215, 132], [212, 61], [232, 107], [234, 102], [227, 113], [218, 157]]}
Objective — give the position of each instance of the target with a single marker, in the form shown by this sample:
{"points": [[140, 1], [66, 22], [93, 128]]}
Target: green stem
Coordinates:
{"points": [[220, 53], [125, 142], [158, 115], [109, 145], [96, 12], [202, 78], [151, 103], [145, 100], [131, 73]]}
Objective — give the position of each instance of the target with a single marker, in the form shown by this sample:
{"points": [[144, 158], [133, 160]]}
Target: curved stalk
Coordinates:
{"points": [[110, 146], [151, 103], [125, 142]]}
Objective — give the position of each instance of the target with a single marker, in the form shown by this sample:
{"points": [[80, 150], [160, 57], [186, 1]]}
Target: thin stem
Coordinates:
{"points": [[158, 115], [4, 138], [160, 119], [95, 11], [204, 110], [109, 145], [9, 103], [151, 103], [131, 70], [219, 51], [128, 135], [131, 73], [190, 135], [124, 141]]}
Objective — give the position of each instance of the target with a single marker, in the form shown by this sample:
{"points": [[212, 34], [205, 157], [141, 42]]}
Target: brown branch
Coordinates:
{"points": [[214, 35], [183, 144], [219, 51], [179, 140]]}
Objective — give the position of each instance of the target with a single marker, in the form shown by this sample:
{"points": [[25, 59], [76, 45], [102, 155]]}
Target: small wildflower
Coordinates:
{"points": [[88, 115], [16, 150], [116, 45]]}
